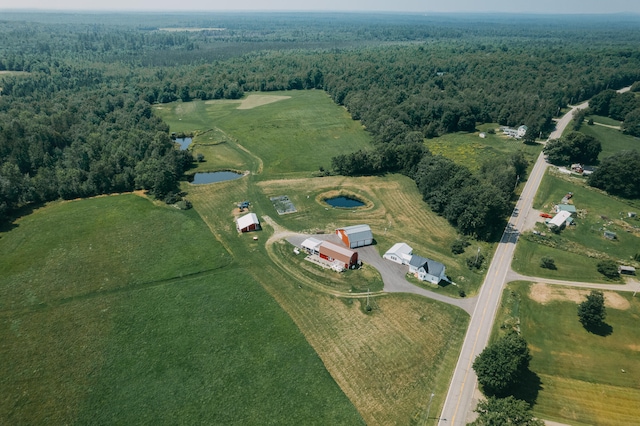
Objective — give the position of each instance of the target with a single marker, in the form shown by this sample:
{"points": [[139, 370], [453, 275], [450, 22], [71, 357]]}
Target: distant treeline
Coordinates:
{"points": [[78, 122]]}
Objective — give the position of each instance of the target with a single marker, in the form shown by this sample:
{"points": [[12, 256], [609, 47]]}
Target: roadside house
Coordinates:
{"points": [[399, 253], [559, 220], [355, 236], [247, 223], [426, 269]]}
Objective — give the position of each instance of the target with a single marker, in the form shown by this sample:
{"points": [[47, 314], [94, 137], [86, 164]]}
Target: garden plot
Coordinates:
{"points": [[283, 204]]}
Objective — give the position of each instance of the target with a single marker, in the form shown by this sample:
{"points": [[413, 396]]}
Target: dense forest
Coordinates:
{"points": [[77, 89]]}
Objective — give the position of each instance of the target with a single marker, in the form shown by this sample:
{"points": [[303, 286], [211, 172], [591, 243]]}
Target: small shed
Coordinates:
{"points": [[312, 245], [399, 253], [567, 208], [247, 223], [355, 236], [610, 235], [426, 269], [332, 252], [626, 270]]}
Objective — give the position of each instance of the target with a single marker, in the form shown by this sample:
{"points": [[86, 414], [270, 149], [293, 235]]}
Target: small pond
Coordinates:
{"points": [[344, 202], [184, 143], [212, 177]]}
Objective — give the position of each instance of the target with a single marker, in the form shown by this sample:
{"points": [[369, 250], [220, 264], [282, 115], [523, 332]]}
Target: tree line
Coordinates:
{"points": [[78, 121]]}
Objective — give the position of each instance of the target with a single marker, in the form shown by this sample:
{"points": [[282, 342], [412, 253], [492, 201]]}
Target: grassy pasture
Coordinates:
{"points": [[472, 151], [582, 378], [577, 248], [612, 140], [117, 310], [386, 360], [293, 137]]}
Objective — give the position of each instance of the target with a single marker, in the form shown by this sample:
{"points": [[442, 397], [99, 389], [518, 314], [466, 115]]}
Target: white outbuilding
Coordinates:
{"points": [[399, 253]]}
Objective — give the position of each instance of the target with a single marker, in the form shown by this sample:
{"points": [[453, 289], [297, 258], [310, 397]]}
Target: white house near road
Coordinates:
{"points": [[399, 253], [427, 269]]}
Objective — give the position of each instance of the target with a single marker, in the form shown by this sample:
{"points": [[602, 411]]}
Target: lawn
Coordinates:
{"points": [[585, 378], [612, 140], [291, 137], [472, 151], [116, 310], [577, 248]]}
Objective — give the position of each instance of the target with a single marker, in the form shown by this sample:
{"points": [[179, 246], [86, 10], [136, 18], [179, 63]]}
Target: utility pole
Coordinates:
{"points": [[429, 406]]}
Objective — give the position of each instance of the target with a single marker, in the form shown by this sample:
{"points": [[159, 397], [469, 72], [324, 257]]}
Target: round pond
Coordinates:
{"points": [[344, 202], [212, 177]]}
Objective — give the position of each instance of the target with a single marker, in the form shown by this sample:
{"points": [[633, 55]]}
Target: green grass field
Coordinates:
{"points": [[612, 140], [293, 137], [117, 310], [585, 378], [472, 151], [577, 249]]}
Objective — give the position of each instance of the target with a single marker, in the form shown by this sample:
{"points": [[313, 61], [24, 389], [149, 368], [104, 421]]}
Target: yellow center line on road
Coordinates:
{"points": [[475, 343]]}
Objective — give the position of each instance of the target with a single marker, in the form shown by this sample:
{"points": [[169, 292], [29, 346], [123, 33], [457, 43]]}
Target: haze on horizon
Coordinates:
{"points": [[413, 6]]}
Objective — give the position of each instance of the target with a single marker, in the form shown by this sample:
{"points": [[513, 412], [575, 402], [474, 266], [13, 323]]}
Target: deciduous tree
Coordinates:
{"points": [[504, 411], [592, 311]]}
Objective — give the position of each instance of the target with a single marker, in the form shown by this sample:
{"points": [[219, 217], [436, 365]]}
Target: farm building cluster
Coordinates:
{"points": [[335, 256], [564, 214], [422, 268]]}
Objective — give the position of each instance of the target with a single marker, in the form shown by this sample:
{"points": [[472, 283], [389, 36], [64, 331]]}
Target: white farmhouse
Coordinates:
{"points": [[427, 269]]}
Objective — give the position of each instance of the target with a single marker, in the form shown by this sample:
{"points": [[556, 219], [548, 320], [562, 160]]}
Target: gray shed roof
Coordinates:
{"points": [[358, 232]]}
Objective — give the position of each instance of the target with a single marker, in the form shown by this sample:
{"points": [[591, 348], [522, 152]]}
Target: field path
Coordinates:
{"points": [[631, 285], [392, 273]]}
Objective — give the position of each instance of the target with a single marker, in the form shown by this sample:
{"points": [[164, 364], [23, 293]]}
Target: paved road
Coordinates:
{"points": [[460, 402]]}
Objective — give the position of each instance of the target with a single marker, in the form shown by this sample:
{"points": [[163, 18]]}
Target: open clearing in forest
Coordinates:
{"points": [[585, 378], [293, 137]]}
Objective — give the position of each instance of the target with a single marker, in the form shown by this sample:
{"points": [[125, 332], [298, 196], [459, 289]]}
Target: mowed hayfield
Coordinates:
{"points": [[585, 378], [470, 150], [118, 310], [578, 248], [293, 136], [387, 360]]}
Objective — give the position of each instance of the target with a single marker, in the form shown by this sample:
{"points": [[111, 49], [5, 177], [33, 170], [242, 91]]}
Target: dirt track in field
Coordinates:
{"points": [[254, 101], [544, 293]]}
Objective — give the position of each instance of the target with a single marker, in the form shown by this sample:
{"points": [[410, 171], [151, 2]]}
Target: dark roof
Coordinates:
{"points": [[431, 266]]}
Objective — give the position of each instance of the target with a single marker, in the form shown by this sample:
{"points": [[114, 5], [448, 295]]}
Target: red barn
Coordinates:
{"points": [[333, 252], [248, 222]]}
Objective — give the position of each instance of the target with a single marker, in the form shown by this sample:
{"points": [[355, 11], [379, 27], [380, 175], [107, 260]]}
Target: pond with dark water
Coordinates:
{"points": [[344, 202], [212, 177], [184, 143]]}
